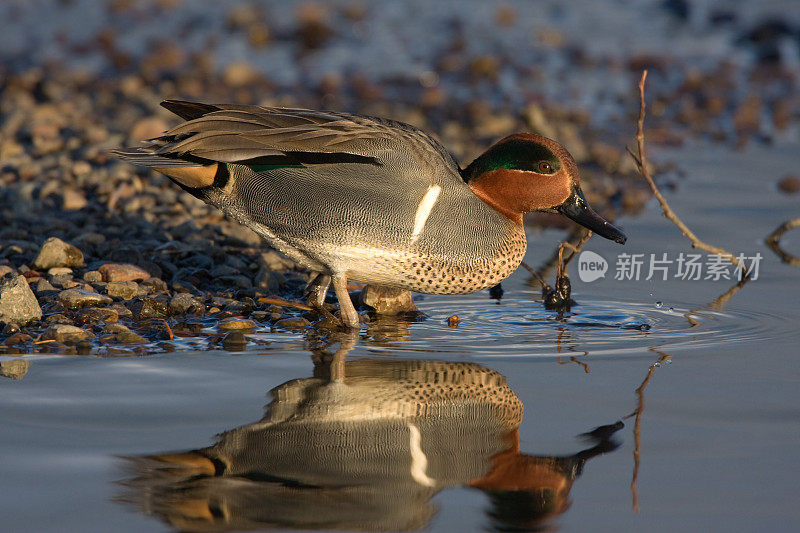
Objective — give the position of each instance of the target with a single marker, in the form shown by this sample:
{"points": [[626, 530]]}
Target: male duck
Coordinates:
{"points": [[367, 199]]}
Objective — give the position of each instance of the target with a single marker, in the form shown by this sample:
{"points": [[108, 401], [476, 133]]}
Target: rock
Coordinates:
{"points": [[17, 339], [73, 200], [123, 272], [17, 302], [235, 341], [292, 323], [93, 276], [126, 290], [95, 315], [44, 286], [147, 308], [66, 334], [14, 369], [387, 300], [155, 285], [270, 280], [74, 298], [453, 321], [58, 271], [233, 323], [5, 269], [57, 253], [63, 281], [240, 73], [124, 335], [181, 303]]}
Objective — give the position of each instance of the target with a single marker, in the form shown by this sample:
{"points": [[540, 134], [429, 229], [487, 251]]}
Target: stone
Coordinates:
{"points": [[123, 272], [93, 276], [270, 280], [73, 200], [123, 334], [95, 315], [235, 341], [181, 303], [5, 269], [147, 308], [14, 368], [66, 334], [292, 323], [59, 271], [147, 128], [17, 301], [387, 300], [74, 298], [789, 184], [126, 290], [57, 253], [44, 286], [234, 323]]}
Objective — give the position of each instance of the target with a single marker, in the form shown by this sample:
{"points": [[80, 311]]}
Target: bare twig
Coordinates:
{"points": [[773, 241], [641, 162], [284, 303]]}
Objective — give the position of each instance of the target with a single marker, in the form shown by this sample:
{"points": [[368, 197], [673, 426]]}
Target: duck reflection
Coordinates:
{"points": [[364, 445]]}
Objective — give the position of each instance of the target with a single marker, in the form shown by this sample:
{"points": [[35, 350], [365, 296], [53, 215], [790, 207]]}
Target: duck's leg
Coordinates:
{"points": [[347, 311], [317, 288]]}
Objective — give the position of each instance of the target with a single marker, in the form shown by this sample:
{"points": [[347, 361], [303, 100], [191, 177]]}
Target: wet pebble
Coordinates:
{"points": [[66, 334], [95, 315], [123, 272], [292, 323], [387, 300], [234, 323], [125, 290], [74, 298], [453, 321], [148, 308], [182, 303], [235, 341], [123, 335], [17, 302], [57, 253]]}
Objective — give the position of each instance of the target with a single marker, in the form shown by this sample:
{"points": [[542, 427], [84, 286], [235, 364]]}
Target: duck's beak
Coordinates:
{"points": [[576, 208]]}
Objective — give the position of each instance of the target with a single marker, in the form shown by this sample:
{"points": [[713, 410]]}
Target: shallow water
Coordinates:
{"points": [[418, 428]]}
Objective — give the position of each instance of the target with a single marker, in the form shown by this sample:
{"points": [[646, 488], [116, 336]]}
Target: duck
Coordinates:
{"points": [[356, 198]]}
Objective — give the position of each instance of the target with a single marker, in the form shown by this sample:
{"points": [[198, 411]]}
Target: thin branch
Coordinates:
{"points": [[641, 162], [773, 240], [284, 303]]}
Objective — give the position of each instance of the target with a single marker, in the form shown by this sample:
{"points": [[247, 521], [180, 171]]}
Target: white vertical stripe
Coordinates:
{"points": [[419, 462], [424, 210]]}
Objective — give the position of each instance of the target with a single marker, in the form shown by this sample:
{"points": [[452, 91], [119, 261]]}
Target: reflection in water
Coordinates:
{"points": [[363, 445]]}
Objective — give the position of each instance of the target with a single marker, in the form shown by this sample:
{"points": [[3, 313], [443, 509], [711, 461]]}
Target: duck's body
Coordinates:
{"points": [[361, 198]]}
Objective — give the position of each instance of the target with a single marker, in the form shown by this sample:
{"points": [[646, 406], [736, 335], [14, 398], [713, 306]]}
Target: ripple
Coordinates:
{"points": [[523, 328]]}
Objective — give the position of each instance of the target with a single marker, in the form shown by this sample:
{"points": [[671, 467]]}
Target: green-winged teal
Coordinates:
{"points": [[367, 199]]}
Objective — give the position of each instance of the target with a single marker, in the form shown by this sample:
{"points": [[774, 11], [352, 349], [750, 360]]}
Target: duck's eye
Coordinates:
{"points": [[544, 167]]}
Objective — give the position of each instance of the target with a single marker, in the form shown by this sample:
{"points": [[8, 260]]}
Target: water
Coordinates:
{"points": [[718, 418]]}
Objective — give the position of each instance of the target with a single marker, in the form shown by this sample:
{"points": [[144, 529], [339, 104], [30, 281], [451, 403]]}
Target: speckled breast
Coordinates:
{"points": [[424, 271]]}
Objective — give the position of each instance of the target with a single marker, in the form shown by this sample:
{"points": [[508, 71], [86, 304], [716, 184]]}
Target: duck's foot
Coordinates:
{"points": [[347, 311]]}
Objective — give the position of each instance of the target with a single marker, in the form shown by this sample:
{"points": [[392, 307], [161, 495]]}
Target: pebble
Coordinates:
{"points": [[95, 315], [124, 335], [181, 303], [387, 300], [233, 323], [123, 272], [18, 304], [14, 368], [92, 276], [126, 290], [453, 321], [57, 271], [66, 334], [292, 323], [235, 341], [57, 253], [147, 308], [74, 298]]}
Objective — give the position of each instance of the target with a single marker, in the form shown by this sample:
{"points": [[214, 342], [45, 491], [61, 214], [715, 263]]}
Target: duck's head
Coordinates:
{"points": [[525, 172]]}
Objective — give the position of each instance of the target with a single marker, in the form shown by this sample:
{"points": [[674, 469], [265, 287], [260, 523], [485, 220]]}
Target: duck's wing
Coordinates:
{"points": [[274, 136]]}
